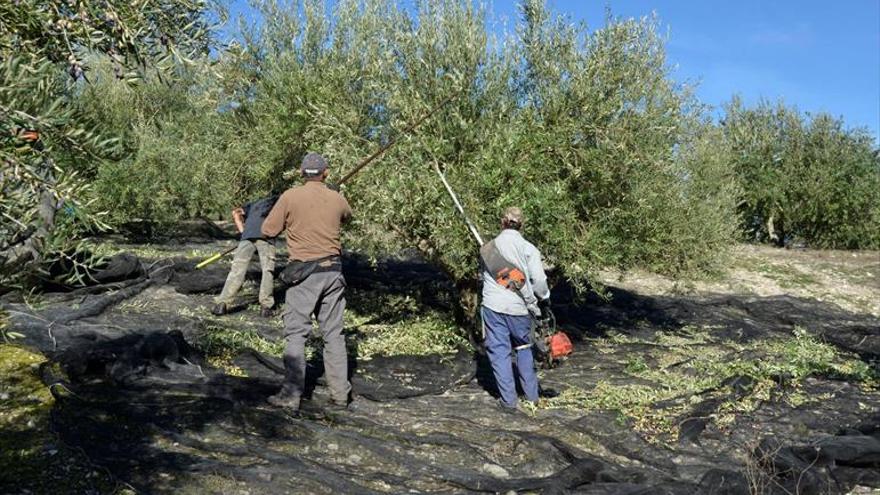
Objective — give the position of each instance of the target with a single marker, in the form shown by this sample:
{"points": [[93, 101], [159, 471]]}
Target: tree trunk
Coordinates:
{"points": [[776, 230], [771, 230], [28, 250], [780, 232], [467, 311]]}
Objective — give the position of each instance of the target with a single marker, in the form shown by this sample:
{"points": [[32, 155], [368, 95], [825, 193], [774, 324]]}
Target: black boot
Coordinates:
{"points": [[266, 312], [219, 309]]}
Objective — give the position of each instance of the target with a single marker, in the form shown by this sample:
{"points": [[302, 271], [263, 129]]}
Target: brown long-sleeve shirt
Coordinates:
{"points": [[312, 216]]}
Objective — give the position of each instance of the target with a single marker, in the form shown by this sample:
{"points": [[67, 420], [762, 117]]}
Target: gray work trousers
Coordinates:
{"points": [[321, 294], [240, 261]]}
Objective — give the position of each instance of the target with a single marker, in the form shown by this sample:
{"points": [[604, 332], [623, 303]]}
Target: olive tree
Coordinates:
{"points": [[585, 130], [804, 177], [178, 146], [43, 48]]}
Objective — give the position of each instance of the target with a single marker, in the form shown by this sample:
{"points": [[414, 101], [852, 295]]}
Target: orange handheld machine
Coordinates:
{"points": [[551, 345]]}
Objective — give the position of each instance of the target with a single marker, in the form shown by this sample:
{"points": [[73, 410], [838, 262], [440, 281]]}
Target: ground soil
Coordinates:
{"points": [[762, 380]]}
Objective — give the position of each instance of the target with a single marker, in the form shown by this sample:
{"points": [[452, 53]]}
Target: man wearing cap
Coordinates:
{"points": [[311, 216], [507, 310], [248, 220]]}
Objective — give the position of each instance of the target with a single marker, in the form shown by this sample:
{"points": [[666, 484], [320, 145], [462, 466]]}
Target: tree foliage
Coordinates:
{"points": [[614, 162], [44, 45], [177, 144], [585, 130], [803, 177]]}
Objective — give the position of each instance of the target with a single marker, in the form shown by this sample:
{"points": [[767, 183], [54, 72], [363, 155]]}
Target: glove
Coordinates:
{"points": [[544, 306], [534, 310]]}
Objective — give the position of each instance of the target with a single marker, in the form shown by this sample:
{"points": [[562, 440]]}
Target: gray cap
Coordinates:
{"points": [[313, 165]]}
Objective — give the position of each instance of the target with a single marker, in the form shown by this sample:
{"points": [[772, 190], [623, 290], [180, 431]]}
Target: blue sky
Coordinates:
{"points": [[819, 55]]}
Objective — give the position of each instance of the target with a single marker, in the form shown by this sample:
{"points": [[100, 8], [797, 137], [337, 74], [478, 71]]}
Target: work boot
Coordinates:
{"points": [[547, 393], [284, 401], [337, 406], [266, 312], [514, 411], [219, 309]]}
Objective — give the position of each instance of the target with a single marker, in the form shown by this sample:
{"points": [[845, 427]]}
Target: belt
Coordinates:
{"points": [[328, 264]]}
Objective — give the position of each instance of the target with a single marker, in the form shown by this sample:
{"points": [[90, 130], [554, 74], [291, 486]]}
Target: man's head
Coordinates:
{"points": [[513, 218], [314, 167]]}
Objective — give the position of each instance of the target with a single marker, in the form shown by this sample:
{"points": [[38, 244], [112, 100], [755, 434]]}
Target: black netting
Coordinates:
{"points": [[138, 397]]}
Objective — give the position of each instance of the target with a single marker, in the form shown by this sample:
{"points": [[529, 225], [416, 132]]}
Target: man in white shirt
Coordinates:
{"points": [[514, 286]]}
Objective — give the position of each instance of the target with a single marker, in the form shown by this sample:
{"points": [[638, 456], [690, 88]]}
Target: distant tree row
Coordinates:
{"points": [[805, 179]]}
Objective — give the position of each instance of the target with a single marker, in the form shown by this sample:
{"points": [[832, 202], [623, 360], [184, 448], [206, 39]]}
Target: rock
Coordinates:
{"points": [[496, 470]]}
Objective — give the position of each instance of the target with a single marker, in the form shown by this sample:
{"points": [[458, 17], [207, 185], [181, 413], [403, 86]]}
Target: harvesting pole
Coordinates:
{"points": [[215, 257], [455, 200]]}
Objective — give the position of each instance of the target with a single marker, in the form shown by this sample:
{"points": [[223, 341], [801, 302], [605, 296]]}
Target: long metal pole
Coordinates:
{"points": [[366, 161], [455, 200]]}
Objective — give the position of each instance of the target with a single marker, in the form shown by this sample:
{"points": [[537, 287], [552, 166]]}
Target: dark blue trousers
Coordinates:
{"points": [[503, 334]]}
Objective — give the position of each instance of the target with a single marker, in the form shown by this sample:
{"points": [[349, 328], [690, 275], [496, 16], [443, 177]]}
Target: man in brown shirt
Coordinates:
{"points": [[311, 215]]}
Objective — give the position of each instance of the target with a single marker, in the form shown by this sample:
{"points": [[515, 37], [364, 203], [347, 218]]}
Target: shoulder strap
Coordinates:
{"points": [[506, 273]]}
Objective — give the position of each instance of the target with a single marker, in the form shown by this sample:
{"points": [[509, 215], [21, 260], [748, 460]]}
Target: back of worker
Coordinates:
{"points": [[311, 216], [507, 312], [512, 246]]}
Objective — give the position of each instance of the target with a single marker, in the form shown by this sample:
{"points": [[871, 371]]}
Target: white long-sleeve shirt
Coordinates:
{"points": [[522, 253]]}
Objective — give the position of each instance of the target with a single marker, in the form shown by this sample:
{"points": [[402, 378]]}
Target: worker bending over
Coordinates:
{"points": [[248, 220]]}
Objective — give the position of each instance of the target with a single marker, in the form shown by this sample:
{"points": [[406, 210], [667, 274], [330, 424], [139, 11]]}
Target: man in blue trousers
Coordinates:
{"points": [[514, 290]]}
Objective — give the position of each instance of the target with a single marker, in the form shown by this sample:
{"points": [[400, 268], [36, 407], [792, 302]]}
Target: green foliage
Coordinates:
{"points": [[431, 334], [36, 128], [43, 48], [177, 148], [689, 363], [5, 333], [221, 345], [804, 177], [373, 330], [614, 163], [137, 33], [584, 130]]}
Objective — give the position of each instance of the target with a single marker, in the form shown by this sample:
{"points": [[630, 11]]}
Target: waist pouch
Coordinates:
{"points": [[296, 271]]}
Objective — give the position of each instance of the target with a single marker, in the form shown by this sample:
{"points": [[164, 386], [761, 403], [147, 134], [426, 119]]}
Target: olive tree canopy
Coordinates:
{"points": [[44, 46]]}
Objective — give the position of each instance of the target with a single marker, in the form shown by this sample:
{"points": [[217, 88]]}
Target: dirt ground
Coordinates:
{"points": [[763, 380], [849, 279]]}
